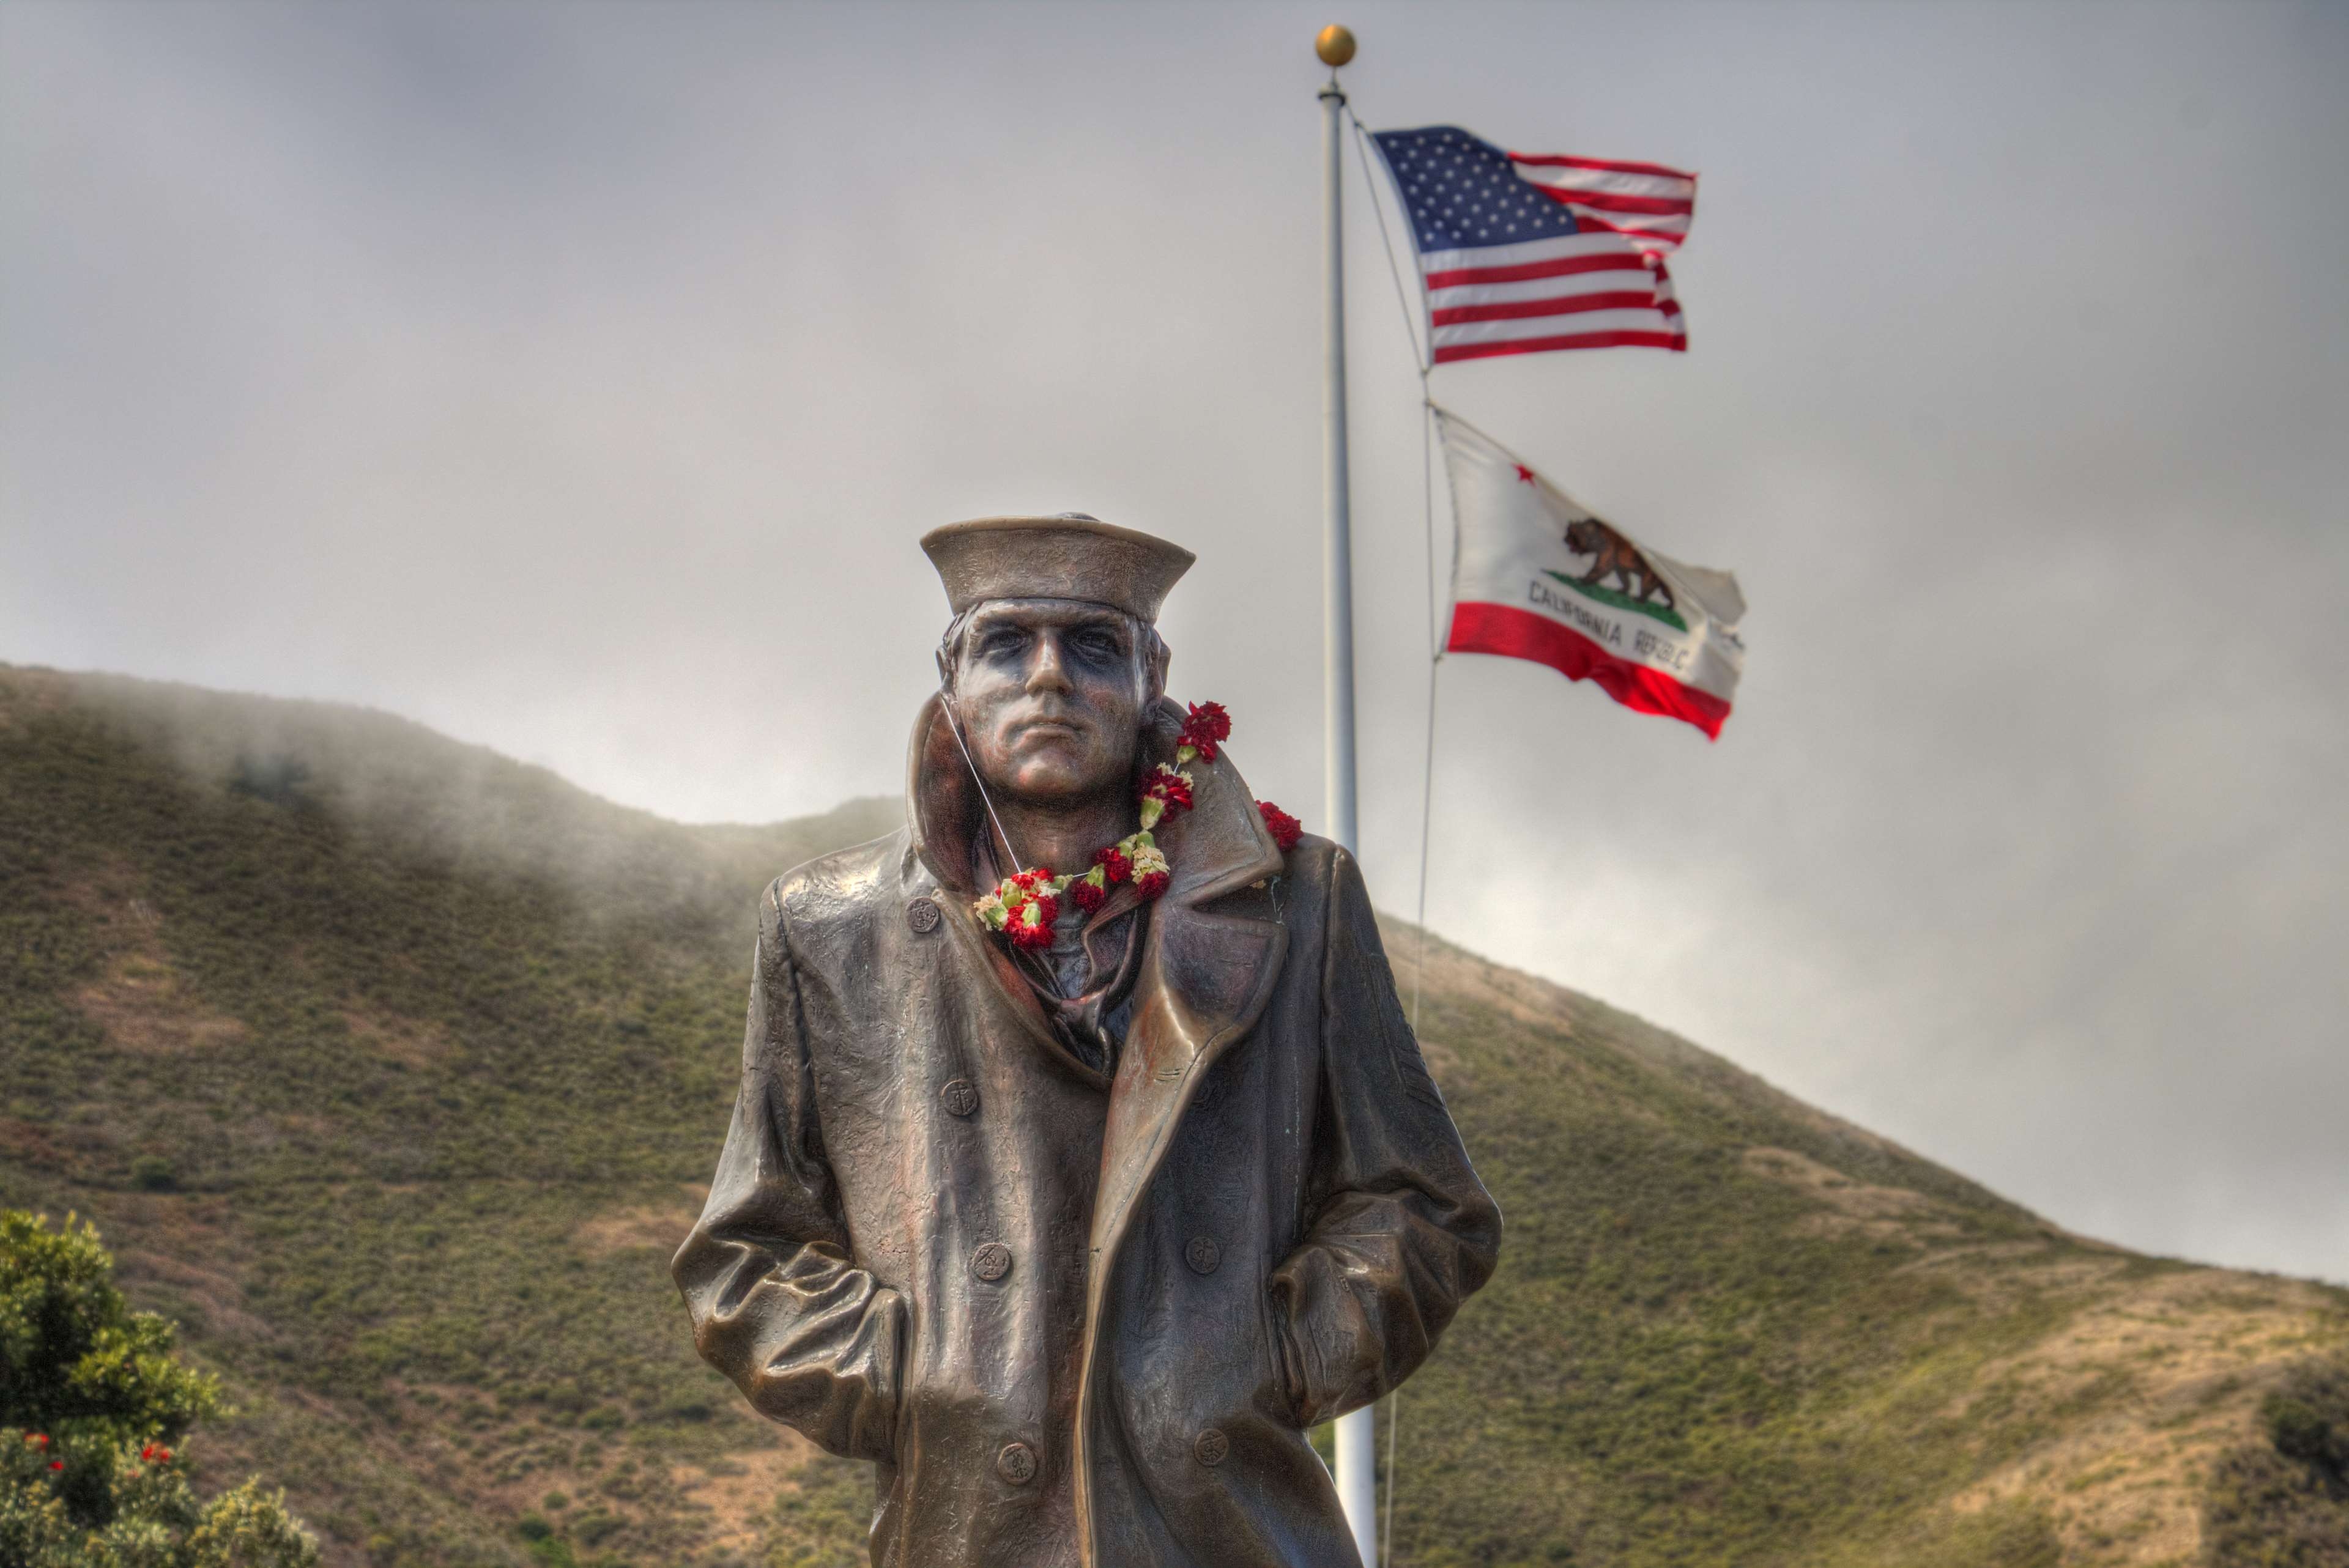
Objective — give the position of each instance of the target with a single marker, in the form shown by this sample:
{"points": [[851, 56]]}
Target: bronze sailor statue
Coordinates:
{"points": [[1083, 1157]]}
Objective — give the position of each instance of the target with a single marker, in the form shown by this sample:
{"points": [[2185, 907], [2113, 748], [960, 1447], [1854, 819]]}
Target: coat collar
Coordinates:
{"points": [[1219, 846], [1208, 960]]}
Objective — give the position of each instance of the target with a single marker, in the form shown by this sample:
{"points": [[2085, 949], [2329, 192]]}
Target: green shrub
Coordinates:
{"points": [[2307, 1419], [79, 1369], [2282, 1501], [597, 1527], [91, 1402], [280, 780]]}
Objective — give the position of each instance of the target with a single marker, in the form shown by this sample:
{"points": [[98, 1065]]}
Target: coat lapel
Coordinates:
{"points": [[1208, 971]]}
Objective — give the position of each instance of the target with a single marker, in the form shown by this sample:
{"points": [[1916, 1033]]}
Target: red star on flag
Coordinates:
{"points": [[1524, 474]]}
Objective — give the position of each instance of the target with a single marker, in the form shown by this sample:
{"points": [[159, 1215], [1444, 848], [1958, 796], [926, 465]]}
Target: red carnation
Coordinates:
{"points": [[1113, 865], [1285, 829], [1031, 937], [1150, 885], [56, 1464], [1170, 787], [1207, 725], [1088, 896]]}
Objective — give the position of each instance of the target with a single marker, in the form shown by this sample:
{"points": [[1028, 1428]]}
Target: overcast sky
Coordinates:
{"points": [[577, 379]]}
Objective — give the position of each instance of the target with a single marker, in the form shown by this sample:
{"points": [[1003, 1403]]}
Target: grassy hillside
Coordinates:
{"points": [[389, 1068]]}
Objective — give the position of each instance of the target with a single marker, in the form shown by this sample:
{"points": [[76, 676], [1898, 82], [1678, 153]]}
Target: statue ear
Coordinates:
{"points": [[1155, 665]]}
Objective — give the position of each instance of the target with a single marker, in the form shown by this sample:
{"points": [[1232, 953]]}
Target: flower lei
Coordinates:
{"points": [[1024, 905]]}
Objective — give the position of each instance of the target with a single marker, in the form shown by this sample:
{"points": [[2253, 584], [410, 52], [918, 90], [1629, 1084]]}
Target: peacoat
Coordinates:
{"points": [[1080, 1321]]}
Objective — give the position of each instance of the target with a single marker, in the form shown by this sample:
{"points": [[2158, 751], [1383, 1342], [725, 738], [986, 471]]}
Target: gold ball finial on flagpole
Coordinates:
{"points": [[1335, 44]]}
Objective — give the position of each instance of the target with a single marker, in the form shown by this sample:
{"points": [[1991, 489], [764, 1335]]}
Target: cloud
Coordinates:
{"points": [[578, 381]]}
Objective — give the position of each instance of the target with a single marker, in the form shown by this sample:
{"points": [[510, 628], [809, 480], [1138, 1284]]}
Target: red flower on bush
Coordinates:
{"points": [[56, 1464], [1285, 829]]}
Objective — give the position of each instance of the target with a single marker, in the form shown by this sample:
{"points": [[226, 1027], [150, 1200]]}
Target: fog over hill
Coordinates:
{"points": [[392, 1069]]}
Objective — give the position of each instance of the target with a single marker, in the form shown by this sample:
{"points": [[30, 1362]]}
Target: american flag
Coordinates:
{"points": [[1522, 253]]}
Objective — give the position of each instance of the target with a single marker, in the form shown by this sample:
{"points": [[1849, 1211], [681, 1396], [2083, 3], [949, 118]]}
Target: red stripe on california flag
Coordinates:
{"points": [[1560, 160], [1556, 304], [1515, 633], [1563, 266], [1675, 341]]}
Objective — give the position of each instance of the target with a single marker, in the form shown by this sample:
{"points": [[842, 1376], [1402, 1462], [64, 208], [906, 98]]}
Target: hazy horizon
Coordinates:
{"points": [[575, 381]]}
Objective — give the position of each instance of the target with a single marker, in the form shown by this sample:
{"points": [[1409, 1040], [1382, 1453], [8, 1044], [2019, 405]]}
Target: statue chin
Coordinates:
{"points": [[1059, 776], [1051, 786]]}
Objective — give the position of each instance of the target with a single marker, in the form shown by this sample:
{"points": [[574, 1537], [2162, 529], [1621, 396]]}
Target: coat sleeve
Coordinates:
{"points": [[778, 1304], [1401, 1230]]}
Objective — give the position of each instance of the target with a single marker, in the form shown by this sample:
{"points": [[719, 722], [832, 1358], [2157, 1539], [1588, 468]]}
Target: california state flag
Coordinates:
{"points": [[1536, 576]]}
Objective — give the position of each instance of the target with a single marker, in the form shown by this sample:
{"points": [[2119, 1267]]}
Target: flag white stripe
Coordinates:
{"points": [[1639, 223], [1611, 181], [1517, 255]]}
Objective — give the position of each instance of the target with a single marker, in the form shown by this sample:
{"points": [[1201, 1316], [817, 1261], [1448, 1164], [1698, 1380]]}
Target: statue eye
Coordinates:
{"points": [[1002, 641]]}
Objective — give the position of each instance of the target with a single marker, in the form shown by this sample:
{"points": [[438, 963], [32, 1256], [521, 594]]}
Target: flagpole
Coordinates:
{"points": [[1357, 1470]]}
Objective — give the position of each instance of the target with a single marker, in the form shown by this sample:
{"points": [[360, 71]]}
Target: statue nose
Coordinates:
{"points": [[1048, 672]]}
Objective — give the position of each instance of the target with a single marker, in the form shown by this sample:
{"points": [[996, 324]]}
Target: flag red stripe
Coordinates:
{"points": [[1631, 230], [1675, 341], [1560, 160], [1607, 201], [1556, 304], [1515, 633], [1564, 266]]}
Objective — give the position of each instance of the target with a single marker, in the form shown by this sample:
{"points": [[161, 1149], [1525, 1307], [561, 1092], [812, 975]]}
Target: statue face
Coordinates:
{"points": [[1051, 693]]}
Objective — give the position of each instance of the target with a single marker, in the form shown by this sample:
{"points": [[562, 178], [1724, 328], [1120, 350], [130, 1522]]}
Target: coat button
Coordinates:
{"points": [[958, 1097], [1210, 1447], [991, 1262], [1202, 1253], [922, 915], [1016, 1463]]}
